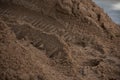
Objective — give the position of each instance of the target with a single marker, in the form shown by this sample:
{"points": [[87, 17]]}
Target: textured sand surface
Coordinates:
{"points": [[57, 40]]}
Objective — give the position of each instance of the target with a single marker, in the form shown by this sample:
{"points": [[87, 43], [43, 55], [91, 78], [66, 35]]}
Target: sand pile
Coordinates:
{"points": [[57, 40]]}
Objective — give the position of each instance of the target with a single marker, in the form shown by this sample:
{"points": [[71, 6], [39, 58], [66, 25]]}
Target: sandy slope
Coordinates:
{"points": [[57, 40]]}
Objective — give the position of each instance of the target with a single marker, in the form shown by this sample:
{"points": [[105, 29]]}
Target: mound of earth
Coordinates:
{"points": [[57, 40]]}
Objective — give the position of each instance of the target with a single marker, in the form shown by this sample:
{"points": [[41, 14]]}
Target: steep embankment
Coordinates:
{"points": [[57, 40]]}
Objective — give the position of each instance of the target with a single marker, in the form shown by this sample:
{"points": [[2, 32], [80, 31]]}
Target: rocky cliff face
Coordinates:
{"points": [[57, 40]]}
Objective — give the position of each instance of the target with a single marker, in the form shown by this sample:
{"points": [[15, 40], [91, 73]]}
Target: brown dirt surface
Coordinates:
{"points": [[57, 40]]}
